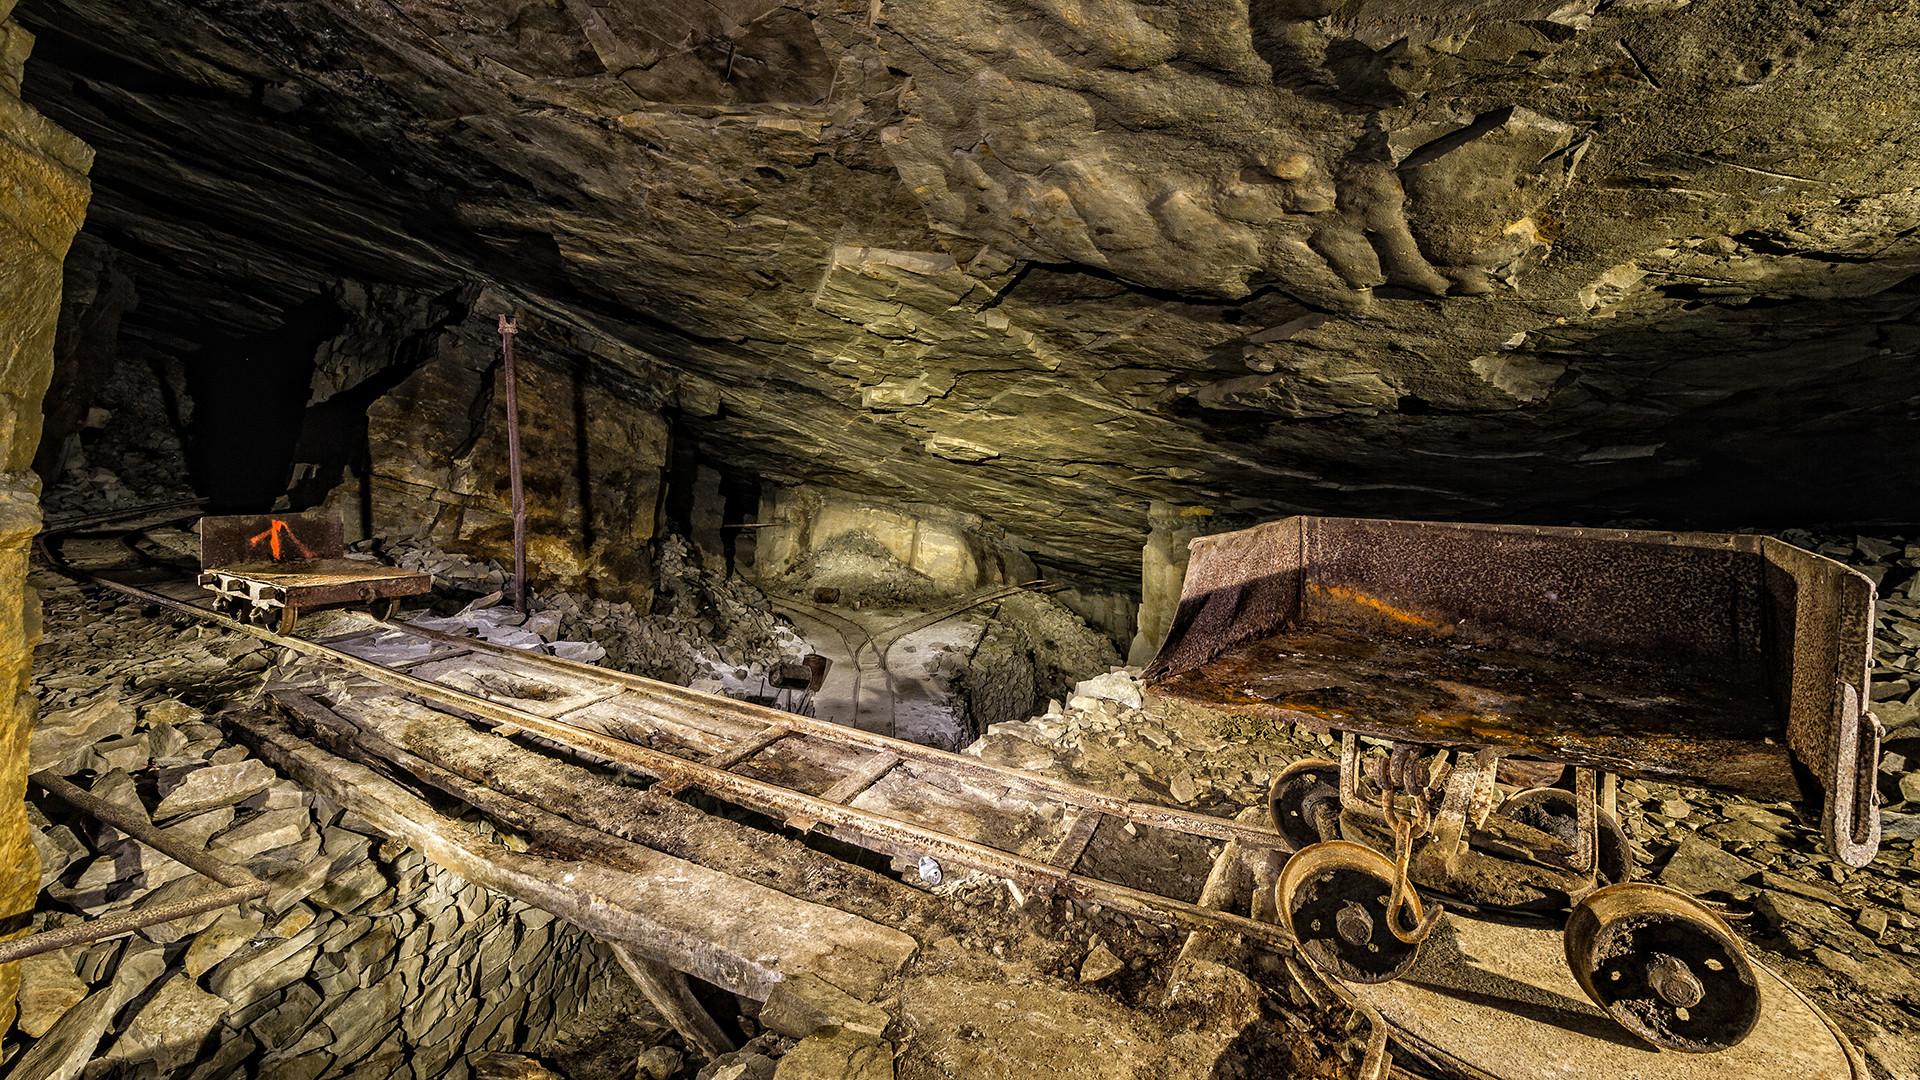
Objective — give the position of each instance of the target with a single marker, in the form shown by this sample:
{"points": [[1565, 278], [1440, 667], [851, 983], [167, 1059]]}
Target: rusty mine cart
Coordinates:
{"points": [[1738, 663]]}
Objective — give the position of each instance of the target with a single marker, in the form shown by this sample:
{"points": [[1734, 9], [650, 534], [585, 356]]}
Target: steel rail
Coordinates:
{"points": [[880, 832], [1164, 817], [86, 520], [240, 886]]}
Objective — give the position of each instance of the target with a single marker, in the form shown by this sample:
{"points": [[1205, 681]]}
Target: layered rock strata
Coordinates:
{"points": [[1539, 262], [44, 200]]}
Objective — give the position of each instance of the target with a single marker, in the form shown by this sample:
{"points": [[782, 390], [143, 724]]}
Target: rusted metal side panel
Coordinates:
{"points": [[1681, 602], [270, 538], [1737, 662], [1239, 586], [1821, 626]]}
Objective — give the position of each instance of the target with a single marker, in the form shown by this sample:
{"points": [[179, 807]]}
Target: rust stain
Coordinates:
{"points": [[1360, 599]]}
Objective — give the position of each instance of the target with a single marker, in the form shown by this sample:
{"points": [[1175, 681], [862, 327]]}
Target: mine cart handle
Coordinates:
{"points": [[1852, 810]]}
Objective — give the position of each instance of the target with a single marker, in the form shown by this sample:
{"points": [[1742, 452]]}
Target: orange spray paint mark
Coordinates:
{"points": [[272, 537]]}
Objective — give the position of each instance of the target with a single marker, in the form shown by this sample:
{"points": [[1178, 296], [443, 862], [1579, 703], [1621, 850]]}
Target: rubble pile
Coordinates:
{"points": [[364, 960], [130, 452], [859, 571], [704, 624]]}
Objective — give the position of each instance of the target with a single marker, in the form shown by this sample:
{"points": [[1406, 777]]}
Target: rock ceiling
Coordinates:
{"points": [[1497, 260]]}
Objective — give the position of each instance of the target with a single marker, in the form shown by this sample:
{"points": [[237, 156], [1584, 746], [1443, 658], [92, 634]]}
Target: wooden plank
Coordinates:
{"points": [[660, 696], [774, 733], [667, 991], [861, 778], [877, 832], [474, 766], [737, 934], [855, 782], [1079, 834], [727, 759], [530, 689]]}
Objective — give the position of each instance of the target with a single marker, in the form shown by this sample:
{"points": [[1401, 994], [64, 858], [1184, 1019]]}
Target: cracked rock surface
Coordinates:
{"points": [[1499, 260]]}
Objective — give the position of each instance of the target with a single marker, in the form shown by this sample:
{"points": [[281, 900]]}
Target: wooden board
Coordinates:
{"points": [[541, 692]]}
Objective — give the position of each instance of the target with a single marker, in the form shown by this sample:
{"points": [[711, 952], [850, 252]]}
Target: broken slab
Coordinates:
{"points": [[837, 1054], [59, 737], [69, 1044], [216, 786], [1699, 867], [804, 1004], [171, 1027], [48, 989]]}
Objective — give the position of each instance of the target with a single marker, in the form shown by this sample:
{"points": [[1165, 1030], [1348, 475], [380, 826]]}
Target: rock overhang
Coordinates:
{"points": [[1585, 262]]}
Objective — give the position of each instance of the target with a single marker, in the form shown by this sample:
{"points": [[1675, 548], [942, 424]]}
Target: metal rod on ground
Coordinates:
{"points": [[508, 327], [241, 886]]}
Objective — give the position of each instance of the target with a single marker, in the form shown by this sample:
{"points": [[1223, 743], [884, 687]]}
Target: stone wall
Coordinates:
{"points": [[592, 455], [42, 203], [942, 550]]}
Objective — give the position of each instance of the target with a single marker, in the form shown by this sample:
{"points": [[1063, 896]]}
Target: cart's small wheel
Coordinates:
{"points": [[1555, 812], [1664, 966], [1333, 897], [1299, 795]]}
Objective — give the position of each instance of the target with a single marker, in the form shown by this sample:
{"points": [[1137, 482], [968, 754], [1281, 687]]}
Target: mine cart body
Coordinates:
{"points": [[1732, 662], [265, 567]]}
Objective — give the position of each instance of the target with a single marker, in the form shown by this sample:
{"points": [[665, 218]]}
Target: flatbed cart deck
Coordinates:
{"points": [[269, 567]]}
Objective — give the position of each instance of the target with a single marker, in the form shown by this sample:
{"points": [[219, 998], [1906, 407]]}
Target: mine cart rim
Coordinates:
{"points": [[1296, 777], [1641, 911], [1357, 922]]}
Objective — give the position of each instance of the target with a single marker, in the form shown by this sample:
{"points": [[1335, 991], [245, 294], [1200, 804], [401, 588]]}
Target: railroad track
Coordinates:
{"points": [[860, 641], [864, 788]]}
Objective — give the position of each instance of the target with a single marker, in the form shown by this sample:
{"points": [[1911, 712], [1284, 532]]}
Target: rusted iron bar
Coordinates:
{"points": [[508, 327], [126, 922], [240, 885], [84, 520], [142, 830]]}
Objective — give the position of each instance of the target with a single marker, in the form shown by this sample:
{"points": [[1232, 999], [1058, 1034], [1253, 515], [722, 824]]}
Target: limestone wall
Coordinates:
{"points": [[43, 197], [941, 549]]}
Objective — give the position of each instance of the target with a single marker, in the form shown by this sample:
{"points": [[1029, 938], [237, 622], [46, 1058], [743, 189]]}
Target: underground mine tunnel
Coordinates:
{"points": [[959, 538]]}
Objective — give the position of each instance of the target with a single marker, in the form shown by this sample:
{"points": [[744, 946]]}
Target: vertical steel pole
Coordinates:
{"points": [[507, 329]]}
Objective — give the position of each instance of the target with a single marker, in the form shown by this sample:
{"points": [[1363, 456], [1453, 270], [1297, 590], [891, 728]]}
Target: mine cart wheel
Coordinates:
{"points": [[1664, 966], [1303, 793], [1554, 812], [1333, 897]]}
